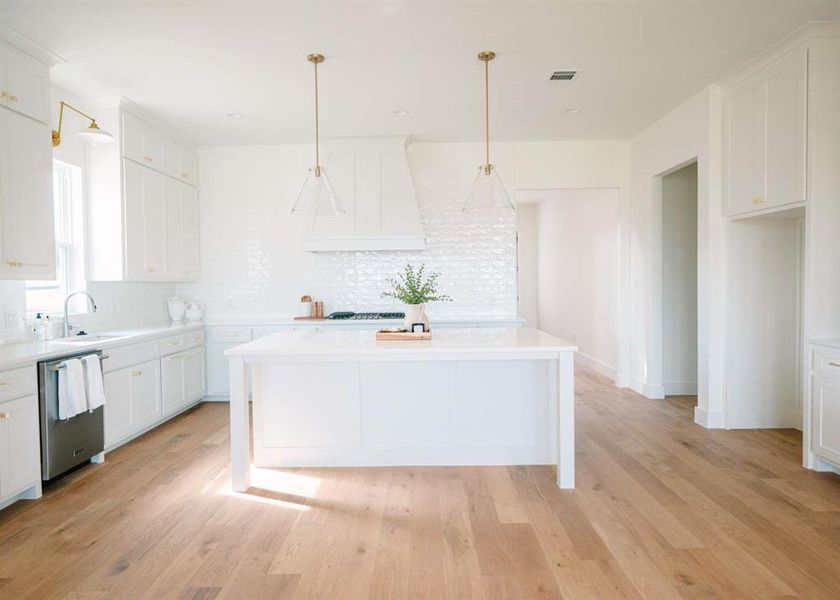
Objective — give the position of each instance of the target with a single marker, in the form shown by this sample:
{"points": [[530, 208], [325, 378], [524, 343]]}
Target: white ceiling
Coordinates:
{"points": [[190, 63]]}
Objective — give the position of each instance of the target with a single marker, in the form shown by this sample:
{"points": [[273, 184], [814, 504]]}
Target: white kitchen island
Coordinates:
{"points": [[340, 398]]}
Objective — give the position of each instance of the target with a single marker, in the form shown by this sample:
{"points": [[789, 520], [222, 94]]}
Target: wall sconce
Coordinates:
{"points": [[90, 135]]}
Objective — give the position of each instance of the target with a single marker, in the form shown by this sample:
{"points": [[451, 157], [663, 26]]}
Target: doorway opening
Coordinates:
{"points": [[679, 284]]}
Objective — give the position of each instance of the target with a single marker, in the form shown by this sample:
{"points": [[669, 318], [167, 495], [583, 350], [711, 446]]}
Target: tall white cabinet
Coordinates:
{"points": [[27, 248], [143, 217]]}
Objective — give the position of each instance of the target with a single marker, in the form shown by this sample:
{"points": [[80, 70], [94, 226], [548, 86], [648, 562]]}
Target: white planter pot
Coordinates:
{"points": [[415, 313]]}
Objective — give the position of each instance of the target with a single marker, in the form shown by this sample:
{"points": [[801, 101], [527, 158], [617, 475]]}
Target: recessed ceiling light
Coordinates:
{"points": [[573, 111], [402, 113], [235, 115]]}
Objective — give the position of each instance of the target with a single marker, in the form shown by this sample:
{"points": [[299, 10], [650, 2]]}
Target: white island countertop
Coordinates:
{"points": [[336, 344]]}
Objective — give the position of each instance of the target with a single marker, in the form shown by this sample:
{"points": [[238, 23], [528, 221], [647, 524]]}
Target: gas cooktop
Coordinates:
{"points": [[365, 316]]}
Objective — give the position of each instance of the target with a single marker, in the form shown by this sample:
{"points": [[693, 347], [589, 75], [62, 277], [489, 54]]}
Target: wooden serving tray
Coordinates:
{"points": [[388, 336]]}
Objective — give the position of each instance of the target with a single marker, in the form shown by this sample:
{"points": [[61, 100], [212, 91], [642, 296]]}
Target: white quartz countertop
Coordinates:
{"points": [[21, 354], [829, 342], [286, 321], [317, 343]]}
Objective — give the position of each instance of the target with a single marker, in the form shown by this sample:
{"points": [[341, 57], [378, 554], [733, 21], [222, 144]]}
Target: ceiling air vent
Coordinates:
{"points": [[562, 75]]}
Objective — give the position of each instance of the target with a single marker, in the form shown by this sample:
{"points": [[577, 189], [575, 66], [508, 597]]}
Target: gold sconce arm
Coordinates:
{"points": [[56, 134]]}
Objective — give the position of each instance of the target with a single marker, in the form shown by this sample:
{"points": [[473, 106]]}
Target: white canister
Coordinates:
{"points": [[195, 311], [177, 308]]}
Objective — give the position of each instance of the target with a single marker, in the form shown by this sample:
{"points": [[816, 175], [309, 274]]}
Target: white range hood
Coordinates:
{"points": [[372, 180]]}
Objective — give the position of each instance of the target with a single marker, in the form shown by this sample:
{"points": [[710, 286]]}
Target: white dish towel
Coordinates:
{"points": [[71, 389], [95, 388]]}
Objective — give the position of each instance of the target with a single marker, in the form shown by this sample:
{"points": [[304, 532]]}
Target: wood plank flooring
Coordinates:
{"points": [[663, 509]]}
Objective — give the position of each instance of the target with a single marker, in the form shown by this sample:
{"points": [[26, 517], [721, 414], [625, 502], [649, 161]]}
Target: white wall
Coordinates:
{"points": [[679, 281], [577, 280], [690, 132], [527, 260], [252, 262]]}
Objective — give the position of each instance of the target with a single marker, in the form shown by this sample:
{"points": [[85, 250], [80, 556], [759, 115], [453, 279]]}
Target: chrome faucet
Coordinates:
{"points": [[91, 308]]}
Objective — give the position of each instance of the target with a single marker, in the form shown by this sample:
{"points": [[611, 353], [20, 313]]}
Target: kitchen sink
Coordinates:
{"points": [[87, 339]]}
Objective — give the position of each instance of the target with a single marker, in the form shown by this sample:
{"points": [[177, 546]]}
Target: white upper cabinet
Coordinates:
{"points": [[143, 143], [181, 230], [28, 232], [181, 162], [152, 235], [24, 84], [765, 136], [145, 222]]}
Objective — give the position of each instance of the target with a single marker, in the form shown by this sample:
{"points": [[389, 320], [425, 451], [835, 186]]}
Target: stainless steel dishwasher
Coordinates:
{"points": [[66, 443]]}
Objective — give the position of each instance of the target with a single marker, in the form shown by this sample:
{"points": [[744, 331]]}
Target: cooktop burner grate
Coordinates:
{"points": [[366, 316]]}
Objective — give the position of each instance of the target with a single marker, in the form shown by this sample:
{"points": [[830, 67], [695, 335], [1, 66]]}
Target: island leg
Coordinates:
{"points": [[240, 427], [566, 420]]}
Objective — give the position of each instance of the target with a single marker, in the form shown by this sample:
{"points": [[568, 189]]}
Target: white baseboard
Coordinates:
{"points": [[219, 398], [648, 390], [622, 380], [595, 364], [680, 388], [709, 419]]}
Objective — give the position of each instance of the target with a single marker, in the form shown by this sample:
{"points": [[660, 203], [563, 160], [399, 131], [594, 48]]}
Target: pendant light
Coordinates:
{"points": [[487, 192], [317, 194]]}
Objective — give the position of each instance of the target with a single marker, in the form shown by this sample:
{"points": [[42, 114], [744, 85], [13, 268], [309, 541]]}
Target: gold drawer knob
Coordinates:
{"points": [[758, 200], [5, 415], [148, 159], [136, 373]]}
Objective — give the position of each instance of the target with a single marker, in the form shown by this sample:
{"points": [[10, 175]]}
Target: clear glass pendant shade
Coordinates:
{"points": [[317, 195], [487, 192]]}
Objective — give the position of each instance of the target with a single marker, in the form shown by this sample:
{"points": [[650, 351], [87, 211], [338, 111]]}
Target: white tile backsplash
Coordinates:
{"points": [[252, 262]]}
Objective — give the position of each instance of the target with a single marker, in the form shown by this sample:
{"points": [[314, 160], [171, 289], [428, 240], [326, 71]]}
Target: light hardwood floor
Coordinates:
{"points": [[663, 509]]}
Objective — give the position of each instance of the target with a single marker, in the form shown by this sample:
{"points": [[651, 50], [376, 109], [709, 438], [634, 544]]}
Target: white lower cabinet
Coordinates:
{"points": [[826, 407], [134, 401], [182, 379], [20, 448]]}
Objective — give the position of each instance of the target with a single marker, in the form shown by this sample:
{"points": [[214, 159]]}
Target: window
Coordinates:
{"points": [[48, 296]]}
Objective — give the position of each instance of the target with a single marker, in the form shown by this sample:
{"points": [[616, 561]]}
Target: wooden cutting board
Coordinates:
{"points": [[388, 336]]}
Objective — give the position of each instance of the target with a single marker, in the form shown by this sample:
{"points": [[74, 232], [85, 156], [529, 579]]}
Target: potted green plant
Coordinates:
{"points": [[414, 288]]}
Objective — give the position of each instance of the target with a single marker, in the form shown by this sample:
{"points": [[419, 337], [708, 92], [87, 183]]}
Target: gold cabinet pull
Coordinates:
{"points": [[136, 373], [148, 158], [14, 263], [5, 415], [13, 98], [758, 200]]}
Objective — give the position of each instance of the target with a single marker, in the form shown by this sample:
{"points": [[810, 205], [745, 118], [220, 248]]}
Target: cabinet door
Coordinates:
{"points": [[20, 446], [143, 143], [173, 383], [218, 378], [27, 85], [145, 222], [786, 122], [194, 369], [826, 409], [117, 406], [746, 146], [175, 268], [26, 196], [189, 232], [146, 406], [180, 162]]}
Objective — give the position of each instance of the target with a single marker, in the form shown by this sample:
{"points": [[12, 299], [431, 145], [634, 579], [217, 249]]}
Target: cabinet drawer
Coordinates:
{"points": [[172, 345], [17, 383], [128, 356], [193, 339], [826, 361], [227, 335]]}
